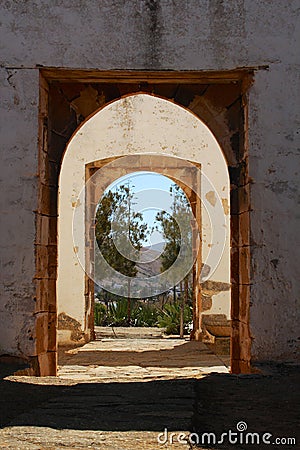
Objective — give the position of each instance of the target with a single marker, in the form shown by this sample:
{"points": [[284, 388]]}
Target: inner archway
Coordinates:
{"points": [[176, 197], [131, 126], [143, 221]]}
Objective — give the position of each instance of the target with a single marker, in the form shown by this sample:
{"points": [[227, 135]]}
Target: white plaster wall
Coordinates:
{"points": [[19, 119], [174, 35], [139, 34], [274, 165], [138, 124]]}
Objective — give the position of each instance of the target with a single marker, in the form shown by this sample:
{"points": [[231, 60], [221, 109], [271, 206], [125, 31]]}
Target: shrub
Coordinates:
{"points": [[118, 313], [142, 315], [100, 313], [169, 318], [145, 315]]}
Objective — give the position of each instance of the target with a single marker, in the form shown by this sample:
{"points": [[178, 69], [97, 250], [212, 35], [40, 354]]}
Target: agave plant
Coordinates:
{"points": [[145, 315], [100, 314], [117, 315], [169, 318]]}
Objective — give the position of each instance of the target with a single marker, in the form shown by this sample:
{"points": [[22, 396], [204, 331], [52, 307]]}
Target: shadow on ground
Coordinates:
{"points": [[144, 406], [267, 404], [213, 404]]}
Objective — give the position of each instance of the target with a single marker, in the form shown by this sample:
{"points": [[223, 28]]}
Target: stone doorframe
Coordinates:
{"points": [[185, 177], [222, 104]]}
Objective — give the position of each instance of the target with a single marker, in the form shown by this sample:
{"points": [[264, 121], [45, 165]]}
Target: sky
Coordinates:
{"points": [[151, 195]]}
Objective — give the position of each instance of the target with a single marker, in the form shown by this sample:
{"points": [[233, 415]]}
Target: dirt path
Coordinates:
{"points": [[122, 360]]}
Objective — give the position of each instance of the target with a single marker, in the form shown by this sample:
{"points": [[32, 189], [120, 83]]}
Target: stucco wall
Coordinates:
{"points": [[19, 119], [178, 35]]}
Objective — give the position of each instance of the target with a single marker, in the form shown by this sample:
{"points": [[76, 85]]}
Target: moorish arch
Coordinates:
{"points": [[138, 125]]}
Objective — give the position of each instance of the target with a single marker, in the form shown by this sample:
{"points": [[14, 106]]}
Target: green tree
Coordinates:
{"points": [[120, 233], [175, 238]]}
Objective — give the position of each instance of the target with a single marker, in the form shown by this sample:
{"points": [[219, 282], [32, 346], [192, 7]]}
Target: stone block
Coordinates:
{"points": [[42, 229], [52, 328], [47, 200], [47, 364], [244, 302], [244, 229], [41, 332], [45, 295], [235, 301], [235, 230], [244, 203], [222, 346], [235, 264], [244, 265]]}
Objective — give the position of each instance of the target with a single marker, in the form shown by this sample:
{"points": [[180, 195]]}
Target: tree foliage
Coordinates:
{"points": [[174, 236], [119, 230]]}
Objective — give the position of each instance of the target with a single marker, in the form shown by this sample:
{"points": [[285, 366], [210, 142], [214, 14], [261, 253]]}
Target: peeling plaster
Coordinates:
{"points": [[211, 197], [225, 206]]}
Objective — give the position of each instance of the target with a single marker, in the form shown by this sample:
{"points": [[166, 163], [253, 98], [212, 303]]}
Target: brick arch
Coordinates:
{"points": [[59, 119]]}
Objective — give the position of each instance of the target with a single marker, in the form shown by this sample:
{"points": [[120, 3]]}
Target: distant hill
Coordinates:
{"points": [[150, 262]]}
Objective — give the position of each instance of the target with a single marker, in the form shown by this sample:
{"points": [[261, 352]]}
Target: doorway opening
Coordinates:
{"points": [[144, 224], [142, 221], [240, 356], [204, 181]]}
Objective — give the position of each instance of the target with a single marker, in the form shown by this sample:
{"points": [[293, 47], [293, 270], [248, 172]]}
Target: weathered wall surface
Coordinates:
{"points": [[274, 166], [159, 35], [19, 119]]}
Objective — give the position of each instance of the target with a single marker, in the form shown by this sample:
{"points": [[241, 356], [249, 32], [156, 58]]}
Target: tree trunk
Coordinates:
{"points": [[181, 311], [128, 304], [183, 303]]}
